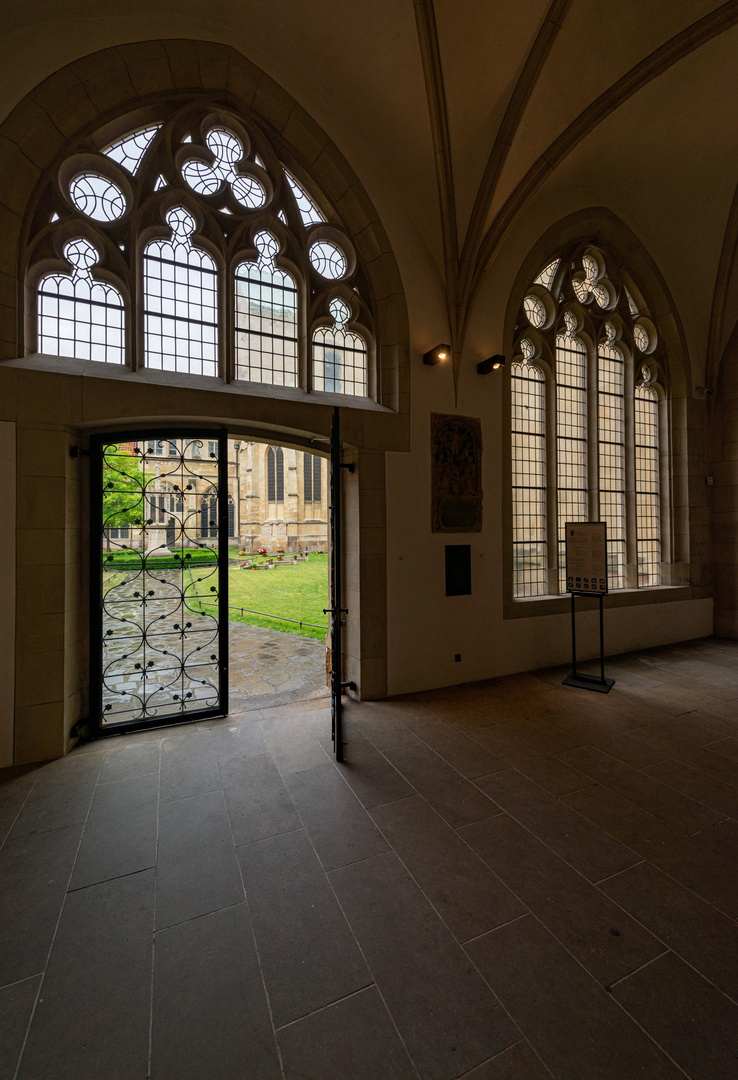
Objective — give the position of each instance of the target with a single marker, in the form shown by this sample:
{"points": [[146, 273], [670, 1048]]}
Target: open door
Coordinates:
{"points": [[159, 579], [337, 611]]}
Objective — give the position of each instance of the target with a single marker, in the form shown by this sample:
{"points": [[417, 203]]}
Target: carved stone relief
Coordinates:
{"points": [[456, 473]]}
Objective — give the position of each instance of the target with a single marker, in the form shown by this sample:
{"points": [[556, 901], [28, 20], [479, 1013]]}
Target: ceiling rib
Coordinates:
{"points": [[425, 19], [726, 268], [532, 68], [659, 61]]}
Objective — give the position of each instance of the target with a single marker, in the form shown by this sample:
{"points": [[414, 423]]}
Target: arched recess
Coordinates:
{"points": [[601, 228], [58, 404]]}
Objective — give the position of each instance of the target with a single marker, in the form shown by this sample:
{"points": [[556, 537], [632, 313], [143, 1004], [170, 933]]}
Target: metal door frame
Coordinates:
{"points": [[337, 611], [213, 434]]}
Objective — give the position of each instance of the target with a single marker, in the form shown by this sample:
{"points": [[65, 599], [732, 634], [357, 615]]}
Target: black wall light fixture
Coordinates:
{"points": [[493, 363], [434, 356]]}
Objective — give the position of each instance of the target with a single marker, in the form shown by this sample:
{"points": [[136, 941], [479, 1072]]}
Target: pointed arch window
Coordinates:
{"points": [[275, 474], [529, 480], [266, 319], [339, 356], [591, 448], [180, 302], [312, 474], [79, 316], [245, 275]]}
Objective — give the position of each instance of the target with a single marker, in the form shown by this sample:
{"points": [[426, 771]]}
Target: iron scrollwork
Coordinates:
{"points": [[160, 625]]}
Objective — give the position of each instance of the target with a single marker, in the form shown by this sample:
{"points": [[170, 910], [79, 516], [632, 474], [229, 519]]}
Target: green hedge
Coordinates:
{"points": [[131, 560]]}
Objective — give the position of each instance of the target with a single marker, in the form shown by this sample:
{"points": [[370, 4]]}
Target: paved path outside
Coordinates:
{"points": [[273, 662]]}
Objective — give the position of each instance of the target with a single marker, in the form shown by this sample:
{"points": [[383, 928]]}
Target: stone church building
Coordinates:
{"points": [[501, 239]]}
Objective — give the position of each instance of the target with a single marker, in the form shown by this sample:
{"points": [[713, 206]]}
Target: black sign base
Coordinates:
{"points": [[576, 678], [589, 682]]}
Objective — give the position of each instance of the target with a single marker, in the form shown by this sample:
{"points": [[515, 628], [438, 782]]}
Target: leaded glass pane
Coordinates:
{"points": [[529, 481]]}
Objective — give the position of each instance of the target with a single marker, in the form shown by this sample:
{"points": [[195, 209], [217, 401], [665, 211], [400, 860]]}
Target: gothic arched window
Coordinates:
{"points": [[275, 474], [78, 316], [221, 261], [312, 484], [591, 448], [339, 356]]}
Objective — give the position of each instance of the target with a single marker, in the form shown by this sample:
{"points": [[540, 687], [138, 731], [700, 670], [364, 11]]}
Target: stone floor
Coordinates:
{"points": [[506, 881]]}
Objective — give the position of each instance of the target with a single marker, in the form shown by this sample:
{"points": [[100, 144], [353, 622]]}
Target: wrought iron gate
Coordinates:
{"points": [[159, 583]]}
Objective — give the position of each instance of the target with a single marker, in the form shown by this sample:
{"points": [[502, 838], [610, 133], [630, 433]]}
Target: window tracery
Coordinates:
{"points": [[582, 453], [239, 268]]}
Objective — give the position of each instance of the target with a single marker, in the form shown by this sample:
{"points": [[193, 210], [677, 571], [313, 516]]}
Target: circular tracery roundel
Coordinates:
{"points": [[328, 260], [97, 197]]}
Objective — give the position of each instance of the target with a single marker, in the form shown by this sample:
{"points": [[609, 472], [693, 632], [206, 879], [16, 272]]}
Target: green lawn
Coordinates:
{"points": [[297, 592]]}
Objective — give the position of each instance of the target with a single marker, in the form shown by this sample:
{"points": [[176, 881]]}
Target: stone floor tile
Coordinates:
{"points": [[685, 859], [34, 871], [354, 1038], [339, 827], [92, 1018], [308, 955], [119, 798], [197, 868], [447, 1017], [517, 751], [573, 1024], [518, 1062], [679, 811], [259, 804], [697, 785], [693, 1022], [292, 745], [16, 1006], [127, 756], [225, 1031], [704, 937], [368, 772], [379, 726], [188, 767], [590, 850], [454, 746], [115, 846], [721, 838], [455, 798], [605, 940], [466, 894], [239, 739], [712, 764], [61, 796]]}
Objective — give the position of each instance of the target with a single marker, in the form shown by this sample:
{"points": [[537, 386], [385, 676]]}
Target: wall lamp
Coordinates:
{"points": [[433, 356], [492, 363]]}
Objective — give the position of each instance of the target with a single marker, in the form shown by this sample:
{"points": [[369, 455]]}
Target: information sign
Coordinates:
{"points": [[586, 557]]}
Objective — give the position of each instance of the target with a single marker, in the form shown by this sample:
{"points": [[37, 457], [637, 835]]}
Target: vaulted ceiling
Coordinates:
{"points": [[475, 126]]}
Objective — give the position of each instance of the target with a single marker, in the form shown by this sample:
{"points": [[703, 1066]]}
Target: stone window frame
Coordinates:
{"points": [[227, 237], [667, 370]]}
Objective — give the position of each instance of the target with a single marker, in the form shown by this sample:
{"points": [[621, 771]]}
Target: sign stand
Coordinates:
{"points": [[586, 575]]}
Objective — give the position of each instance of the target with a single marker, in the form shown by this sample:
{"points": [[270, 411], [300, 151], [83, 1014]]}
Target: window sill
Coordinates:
{"points": [[529, 607], [62, 365]]}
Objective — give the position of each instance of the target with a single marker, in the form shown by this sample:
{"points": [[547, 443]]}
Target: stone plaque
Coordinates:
{"points": [[456, 473]]}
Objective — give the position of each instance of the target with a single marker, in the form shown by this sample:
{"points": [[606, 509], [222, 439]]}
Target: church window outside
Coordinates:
{"points": [[186, 246], [591, 449]]}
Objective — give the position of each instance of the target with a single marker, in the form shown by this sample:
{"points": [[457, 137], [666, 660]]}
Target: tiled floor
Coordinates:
{"points": [[507, 881]]}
